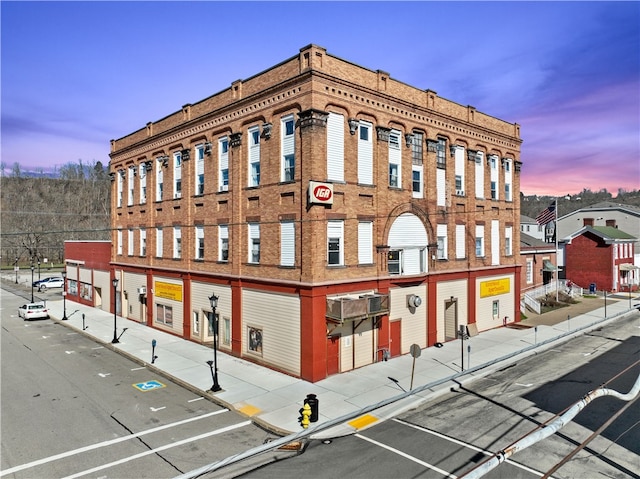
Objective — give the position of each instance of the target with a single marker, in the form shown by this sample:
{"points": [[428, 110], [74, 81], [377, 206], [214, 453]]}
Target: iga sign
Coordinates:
{"points": [[321, 193]]}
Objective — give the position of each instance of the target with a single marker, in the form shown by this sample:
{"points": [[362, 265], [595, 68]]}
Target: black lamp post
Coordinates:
{"points": [[38, 270], [16, 268], [32, 268], [214, 324], [114, 282], [64, 294]]}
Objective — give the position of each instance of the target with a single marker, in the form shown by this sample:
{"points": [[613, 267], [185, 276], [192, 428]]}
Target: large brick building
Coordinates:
{"points": [[340, 216]]}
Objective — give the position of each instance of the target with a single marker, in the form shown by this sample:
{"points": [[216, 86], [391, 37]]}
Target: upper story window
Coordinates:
{"points": [[119, 242], [395, 160], [142, 175], [254, 243], [199, 242], [287, 147], [287, 243], [417, 145], [416, 181], [177, 174], [130, 242], [223, 164], [131, 173], [177, 242], [120, 186], [143, 242], [254, 156], [335, 147], [365, 153], [223, 243], [159, 243], [335, 239], [441, 153], [159, 180], [199, 190]]}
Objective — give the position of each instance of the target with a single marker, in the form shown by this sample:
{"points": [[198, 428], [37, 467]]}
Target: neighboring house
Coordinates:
{"points": [[539, 262], [88, 277], [605, 213], [531, 227], [603, 256], [339, 215]]}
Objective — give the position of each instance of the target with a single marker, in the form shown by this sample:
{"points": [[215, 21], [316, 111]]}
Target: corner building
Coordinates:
{"points": [[340, 216]]}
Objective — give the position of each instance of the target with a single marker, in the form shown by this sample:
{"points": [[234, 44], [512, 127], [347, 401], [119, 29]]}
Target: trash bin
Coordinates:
{"points": [[592, 288], [312, 401]]}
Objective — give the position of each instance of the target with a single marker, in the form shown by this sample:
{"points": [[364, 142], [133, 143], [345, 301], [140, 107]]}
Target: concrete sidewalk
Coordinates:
{"points": [[273, 399]]}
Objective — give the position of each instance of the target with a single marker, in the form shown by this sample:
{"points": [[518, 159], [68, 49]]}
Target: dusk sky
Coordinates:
{"points": [[77, 74]]}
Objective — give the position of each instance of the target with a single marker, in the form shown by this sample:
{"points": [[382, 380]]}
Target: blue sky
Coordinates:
{"points": [[77, 74]]}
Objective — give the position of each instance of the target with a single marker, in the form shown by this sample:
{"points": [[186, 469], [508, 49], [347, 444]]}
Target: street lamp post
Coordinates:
{"points": [[38, 270], [114, 282], [16, 268], [214, 324], [32, 268], [64, 294]]}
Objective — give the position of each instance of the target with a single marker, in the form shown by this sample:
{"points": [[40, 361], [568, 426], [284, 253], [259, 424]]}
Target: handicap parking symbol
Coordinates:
{"points": [[149, 385]]}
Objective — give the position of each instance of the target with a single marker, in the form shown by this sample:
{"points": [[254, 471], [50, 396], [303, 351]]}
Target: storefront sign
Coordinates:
{"points": [[321, 193], [168, 291], [495, 287]]}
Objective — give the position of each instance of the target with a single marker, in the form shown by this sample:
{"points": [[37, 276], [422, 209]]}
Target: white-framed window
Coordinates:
{"points": [[395, 160], [254, 243], [177, 242], [479, 174], [441, 233], [130, 242], [287, 147], [142, 175], [120, 186], [480, 241], [508, 244], [196, 323], [199, 242], [226, 331], [416, 181], [461, 239], [131, 174], [223, 243], [441, 153], [459, 163], [223, 164], [159, 243], [335, 147], [495, 242], [119, 242], [365, 153], [417, 148], [365, 242], [508, 180], [335, 240], [164, 314], [159, 181], [143, 242], [254, 156], [177, 174], [199, 188], [495, 309], [287, 243], [493, 169], [529, 273]]}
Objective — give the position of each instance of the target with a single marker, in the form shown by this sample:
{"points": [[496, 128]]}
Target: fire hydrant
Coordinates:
{"points": [[306, 414]]}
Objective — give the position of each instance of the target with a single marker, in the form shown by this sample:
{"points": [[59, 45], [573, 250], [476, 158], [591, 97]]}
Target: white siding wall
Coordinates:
{"points": [[85, 275], [278, 316], [177, 307], [364, 338], [200, 293], [414, 324], [447, 289], [102, 282], [484, 306], [131, 284]]}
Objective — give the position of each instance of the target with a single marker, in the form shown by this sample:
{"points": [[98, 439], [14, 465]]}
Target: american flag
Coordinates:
{"points": [[547, 215]]}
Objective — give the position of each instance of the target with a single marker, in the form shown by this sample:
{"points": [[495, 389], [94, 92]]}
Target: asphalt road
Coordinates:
{"points": [[72, 408], [450, 435]]}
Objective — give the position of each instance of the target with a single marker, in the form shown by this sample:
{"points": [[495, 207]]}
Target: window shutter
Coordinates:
{"points": [[287, 243], [335, 147], [365, 242]]}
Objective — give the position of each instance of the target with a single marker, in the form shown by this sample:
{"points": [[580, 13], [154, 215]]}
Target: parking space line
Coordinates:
{"points": [[98, 445], [407, 456]]}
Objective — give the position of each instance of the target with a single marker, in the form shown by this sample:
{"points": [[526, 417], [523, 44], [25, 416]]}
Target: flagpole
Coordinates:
{"points": [[555, 234]]}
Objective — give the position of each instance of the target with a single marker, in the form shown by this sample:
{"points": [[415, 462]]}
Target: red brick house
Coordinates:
{"points": [[602, 255]]}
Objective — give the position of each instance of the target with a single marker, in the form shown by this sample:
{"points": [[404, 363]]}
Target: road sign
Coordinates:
{"points": [[415, 350], [149, 385]]}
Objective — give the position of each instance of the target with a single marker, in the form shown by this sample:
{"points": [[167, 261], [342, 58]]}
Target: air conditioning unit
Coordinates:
{"points": [[142, 290], [224, 188], [460, 192], [178, 195]]}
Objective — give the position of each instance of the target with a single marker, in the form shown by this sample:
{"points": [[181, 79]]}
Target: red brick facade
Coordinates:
{"points": [[313, 87]]}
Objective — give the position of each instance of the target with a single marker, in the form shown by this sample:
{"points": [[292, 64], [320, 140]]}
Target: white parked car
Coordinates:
{"points": [[31, 311]]}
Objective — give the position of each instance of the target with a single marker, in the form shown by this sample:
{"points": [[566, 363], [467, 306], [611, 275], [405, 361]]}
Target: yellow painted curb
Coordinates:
{"points": [[362, 421]]}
